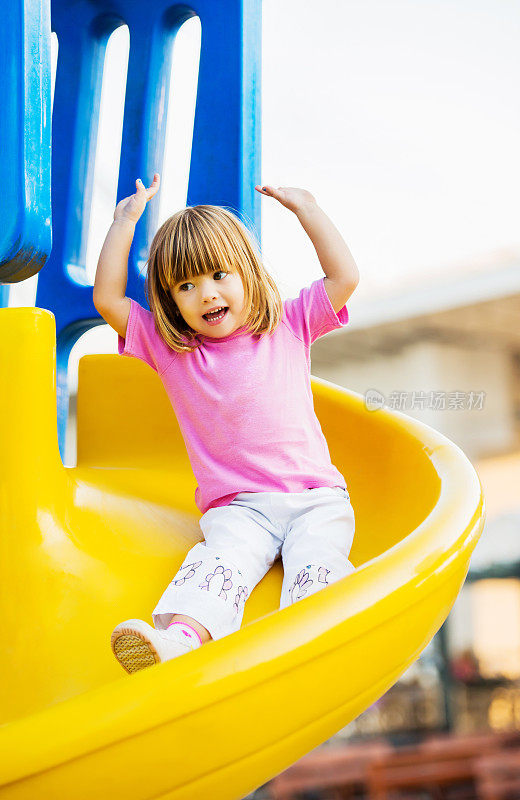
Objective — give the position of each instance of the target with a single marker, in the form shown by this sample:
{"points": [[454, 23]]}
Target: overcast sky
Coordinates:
{"points": [[402, 118]]}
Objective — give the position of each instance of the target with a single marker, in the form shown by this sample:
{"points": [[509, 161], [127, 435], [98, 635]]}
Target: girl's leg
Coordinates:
{"points": [[316, 549], [218, 575]]}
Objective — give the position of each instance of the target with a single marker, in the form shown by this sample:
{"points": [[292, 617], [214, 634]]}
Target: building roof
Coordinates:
{"points": [[476, 307]]}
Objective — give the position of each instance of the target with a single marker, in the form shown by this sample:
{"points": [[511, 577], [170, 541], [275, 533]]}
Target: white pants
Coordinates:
{"points": [[312, 530]]}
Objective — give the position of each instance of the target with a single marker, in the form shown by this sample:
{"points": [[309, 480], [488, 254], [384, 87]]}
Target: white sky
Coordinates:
{"points": [[401, 117]]}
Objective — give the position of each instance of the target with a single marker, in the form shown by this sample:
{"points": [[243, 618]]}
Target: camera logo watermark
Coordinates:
{"points": [[419, 400]]}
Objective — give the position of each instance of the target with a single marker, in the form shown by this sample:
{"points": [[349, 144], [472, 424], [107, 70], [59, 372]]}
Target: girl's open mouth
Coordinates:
{"points": [[216, 317]]}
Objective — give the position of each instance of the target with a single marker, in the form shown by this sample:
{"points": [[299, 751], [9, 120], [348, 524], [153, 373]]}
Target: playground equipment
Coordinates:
{"points": [[84, 547]]}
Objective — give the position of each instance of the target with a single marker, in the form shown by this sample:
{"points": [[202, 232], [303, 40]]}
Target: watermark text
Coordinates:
{"points": [[421, 400]]}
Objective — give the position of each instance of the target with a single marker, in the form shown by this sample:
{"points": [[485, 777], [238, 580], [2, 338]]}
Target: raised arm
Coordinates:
{"points": [[112, 269], [341, 272], [112, 274]]}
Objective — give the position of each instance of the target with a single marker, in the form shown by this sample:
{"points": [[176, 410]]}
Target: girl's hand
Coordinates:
{"points": [[132, 207], [291, 198]]}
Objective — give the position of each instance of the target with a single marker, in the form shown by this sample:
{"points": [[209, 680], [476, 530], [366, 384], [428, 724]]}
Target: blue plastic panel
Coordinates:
{"points": [[25, 140], [225, 161]]}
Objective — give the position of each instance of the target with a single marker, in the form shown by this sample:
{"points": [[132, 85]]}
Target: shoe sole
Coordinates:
{"points": [[133, 650]]}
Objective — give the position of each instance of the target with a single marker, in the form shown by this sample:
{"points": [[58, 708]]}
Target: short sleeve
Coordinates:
{"points": [[311, 314], [142, 340]]}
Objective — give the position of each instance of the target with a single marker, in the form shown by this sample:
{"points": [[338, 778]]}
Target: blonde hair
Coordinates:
{"points": [[198, 240]]}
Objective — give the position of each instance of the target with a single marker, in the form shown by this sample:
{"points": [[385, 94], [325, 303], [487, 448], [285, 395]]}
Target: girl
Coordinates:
{"points": [[235, 362]]}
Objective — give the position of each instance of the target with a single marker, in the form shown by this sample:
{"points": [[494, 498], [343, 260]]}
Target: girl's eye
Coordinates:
{"points": [[219, 272]]}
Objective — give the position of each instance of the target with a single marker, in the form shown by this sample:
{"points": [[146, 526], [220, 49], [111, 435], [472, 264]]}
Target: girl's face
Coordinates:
{"points": [[194, 298]]}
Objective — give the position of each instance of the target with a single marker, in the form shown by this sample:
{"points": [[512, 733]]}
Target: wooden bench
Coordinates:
{"points": [[442, 766], [336, 770], [498, 775]]}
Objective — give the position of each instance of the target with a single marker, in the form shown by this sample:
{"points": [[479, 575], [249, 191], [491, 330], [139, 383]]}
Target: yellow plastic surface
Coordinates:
{"points": [[85, 548]]}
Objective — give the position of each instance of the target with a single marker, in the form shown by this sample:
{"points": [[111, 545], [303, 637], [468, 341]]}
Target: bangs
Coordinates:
{"points": [[200, 247]]}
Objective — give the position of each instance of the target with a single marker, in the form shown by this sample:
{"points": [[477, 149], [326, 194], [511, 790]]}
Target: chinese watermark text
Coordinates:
{"points": [[421, 400]]}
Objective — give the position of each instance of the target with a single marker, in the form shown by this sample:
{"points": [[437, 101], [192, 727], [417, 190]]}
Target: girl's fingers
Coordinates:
{"points": [[155, 185], [152, 189], [155, 182]]}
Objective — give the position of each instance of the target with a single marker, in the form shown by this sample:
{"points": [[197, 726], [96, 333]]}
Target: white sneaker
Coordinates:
{"points": [[137, 645]]}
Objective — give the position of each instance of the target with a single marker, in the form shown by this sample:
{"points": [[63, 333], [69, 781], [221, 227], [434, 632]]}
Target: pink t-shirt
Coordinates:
{"points": [[244, 402]]}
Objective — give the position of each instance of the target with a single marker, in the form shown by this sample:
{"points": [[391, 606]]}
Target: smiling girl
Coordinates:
{"points": [[235, 363]]}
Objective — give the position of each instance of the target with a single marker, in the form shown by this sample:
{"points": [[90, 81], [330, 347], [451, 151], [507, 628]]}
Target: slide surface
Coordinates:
{"points": [[86, 547]]}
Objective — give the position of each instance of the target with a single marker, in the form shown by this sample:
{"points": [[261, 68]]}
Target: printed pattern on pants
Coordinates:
{"points": [[220, 581], [312, 531], [219, 574], [303, 582], [317, 545]]}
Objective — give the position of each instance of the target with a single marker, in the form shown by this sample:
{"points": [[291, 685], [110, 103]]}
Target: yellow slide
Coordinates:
{"points": [[84, 548]]}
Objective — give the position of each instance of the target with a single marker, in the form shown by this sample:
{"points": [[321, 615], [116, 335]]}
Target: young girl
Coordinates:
{"points": [[235, 362]]}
